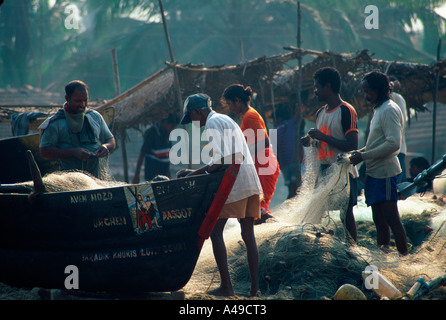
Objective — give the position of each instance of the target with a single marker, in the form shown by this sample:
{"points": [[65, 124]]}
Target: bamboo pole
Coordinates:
{"points": [[172, 60], [298, 110], [175, 72], [434, 115], [116, 72], [122, 131]]}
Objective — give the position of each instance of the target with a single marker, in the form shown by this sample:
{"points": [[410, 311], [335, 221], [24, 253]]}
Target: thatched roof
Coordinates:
{"points": [[155, 97], [274, 86], [417, 80]]}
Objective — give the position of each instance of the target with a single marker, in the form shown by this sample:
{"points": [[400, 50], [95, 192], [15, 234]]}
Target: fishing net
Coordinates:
{"points": [[320, 196], [75, 180], [304, 252]]}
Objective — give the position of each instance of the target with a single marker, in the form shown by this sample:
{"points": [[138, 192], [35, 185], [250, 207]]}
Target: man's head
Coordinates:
{"points": [[417, 165], [327, 81], [395, 84], [376, 87], [169, 123], [76, 95], [196, 108]]}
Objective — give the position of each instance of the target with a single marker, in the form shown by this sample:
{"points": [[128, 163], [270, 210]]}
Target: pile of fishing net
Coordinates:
{"points": [[314, 261], [304, 252], [61, 181]]}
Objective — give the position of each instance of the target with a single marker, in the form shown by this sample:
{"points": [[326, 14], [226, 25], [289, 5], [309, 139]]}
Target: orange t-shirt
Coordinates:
{"points": [[266, 164], [252, 120]]}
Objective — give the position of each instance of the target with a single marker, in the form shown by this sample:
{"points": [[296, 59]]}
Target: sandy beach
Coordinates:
{"points": [[305, 261], [311, 262]]}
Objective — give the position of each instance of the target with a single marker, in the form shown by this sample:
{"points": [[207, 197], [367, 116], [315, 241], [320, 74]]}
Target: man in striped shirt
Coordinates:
{"points": [[336, 132], [155, 150]]}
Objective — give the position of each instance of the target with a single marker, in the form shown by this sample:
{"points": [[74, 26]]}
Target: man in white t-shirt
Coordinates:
{"points": [[226, 138]]}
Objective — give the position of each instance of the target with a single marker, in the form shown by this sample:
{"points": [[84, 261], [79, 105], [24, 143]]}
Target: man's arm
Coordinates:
{"points": [[57, 153], [105, 149], [350, 129], [215, 166], [82, 154], [351, 142]]}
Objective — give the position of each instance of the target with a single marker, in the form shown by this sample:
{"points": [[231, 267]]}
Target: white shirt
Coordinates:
{"points": [[399, 100], [383, 142], [225, 138]]}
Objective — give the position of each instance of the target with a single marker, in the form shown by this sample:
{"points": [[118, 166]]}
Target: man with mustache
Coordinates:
{"points": [[76, 136]]}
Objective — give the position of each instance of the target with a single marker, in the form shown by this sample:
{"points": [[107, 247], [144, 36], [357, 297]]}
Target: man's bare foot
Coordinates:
{"points": [[254, 293], [222, 292]]}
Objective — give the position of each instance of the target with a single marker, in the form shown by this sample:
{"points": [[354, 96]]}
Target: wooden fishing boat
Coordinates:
{"points": [[13, 159], [138, 238]]}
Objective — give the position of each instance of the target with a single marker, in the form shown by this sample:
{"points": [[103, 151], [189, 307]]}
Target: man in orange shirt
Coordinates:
{"points": [[237, 98]]}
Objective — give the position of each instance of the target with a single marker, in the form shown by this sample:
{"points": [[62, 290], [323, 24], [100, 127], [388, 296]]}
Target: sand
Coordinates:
{"points": [[306, 260], [311, 262]]}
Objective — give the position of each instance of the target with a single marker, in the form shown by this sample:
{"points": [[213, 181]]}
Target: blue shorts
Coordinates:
{"points": [[289, 173], [379, 190]]}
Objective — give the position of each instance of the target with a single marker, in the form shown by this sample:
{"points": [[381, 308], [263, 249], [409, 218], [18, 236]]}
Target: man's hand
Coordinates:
{"points": [[356, 158], [103, 151], [184, 172], [82, 154], [316, 134], [305, 140]]}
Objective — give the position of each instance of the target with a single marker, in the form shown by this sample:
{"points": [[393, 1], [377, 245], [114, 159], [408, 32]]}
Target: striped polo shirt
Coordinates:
{"points": [[337, 123]]}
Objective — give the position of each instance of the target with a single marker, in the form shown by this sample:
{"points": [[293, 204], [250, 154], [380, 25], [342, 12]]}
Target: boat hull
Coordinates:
{"points": [[138, 238], [14, 162]]}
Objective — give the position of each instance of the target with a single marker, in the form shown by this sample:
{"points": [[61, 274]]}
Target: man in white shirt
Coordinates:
{"points": [[395, 86], [382, 165], [226, 138]]}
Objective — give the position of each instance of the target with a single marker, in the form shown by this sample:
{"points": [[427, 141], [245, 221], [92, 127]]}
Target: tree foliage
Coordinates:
{"points": [[38, 49]]}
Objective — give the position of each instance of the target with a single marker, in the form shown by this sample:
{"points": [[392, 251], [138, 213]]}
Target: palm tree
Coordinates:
{"points": [[32, 40], [36, 48]]}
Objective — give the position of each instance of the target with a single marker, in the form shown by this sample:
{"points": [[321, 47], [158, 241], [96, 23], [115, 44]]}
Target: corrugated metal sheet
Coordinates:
{"points": [[419, 133]]}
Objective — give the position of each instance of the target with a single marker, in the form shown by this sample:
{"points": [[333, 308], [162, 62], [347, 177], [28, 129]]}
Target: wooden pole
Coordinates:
{"points": [[116, 72], [175, 72], [122, 131], [298, 110], [172, 60], [434, 115]]}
